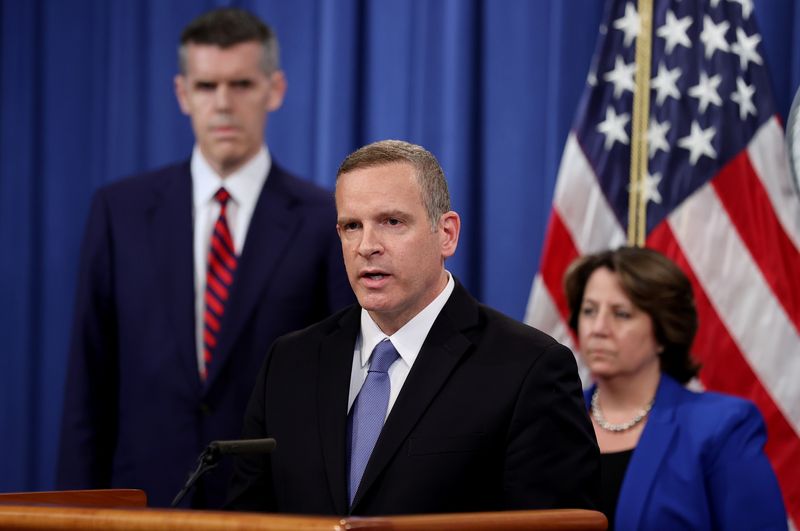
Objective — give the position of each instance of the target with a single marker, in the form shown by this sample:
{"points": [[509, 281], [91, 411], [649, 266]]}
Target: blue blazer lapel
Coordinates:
{"points": [[270, 232], [651, 450], [169, 224], [336, 360], [440, 353]]}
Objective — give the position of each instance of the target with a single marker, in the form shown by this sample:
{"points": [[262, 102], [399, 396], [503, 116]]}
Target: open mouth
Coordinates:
{"points": [[374, 279]]}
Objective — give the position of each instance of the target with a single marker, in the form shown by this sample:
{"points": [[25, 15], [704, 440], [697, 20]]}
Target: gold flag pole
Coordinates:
{"points": [[637, 203]]}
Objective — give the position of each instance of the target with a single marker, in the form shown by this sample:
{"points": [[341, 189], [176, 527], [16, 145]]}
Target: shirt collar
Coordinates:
{"points": [[409, 339], [244, 184]]}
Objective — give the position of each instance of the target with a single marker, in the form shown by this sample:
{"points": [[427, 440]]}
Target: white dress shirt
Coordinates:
{"points": [[244, 185], [408, 342]]}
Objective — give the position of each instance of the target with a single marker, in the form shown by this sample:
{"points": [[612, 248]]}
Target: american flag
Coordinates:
{"points": [[718, 195]]}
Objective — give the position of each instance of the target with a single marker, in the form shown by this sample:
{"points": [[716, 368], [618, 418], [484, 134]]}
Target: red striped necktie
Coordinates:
{"points": [[219, 278]]}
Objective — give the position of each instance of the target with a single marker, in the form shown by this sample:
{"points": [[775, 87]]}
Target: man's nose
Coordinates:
{"points": [[369, 243], [222, 97]]}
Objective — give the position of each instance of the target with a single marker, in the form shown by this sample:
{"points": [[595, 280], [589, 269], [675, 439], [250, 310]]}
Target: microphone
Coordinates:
{"points": [[243, 446], [213, 453]]}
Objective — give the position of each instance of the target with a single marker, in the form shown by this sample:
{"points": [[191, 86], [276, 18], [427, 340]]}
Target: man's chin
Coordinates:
{"points": [[228, 161], [373, 303]]}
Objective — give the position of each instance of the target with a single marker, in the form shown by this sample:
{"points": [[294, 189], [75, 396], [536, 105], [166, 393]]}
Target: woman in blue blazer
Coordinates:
{"points": [[670, 458]]}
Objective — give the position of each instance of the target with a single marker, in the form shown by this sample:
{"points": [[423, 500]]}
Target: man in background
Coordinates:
{"points": [[188, 273], [418, 399]]}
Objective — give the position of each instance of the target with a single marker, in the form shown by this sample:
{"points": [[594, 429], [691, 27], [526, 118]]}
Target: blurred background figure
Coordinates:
{"points": [[671, 458], [188, 273]]}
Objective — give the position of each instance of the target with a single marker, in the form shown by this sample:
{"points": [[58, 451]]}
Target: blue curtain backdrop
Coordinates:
{"points": [[490, 86]]}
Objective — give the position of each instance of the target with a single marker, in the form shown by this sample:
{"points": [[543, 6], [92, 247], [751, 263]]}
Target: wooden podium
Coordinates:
{"points": [[125, 510]]}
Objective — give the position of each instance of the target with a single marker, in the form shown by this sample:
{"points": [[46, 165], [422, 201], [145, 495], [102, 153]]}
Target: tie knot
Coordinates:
{"points": [[383, 356], [222, 197]]}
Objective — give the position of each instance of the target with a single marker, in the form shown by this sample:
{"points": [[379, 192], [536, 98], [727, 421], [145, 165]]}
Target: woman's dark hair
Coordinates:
{"points": [[655, 285]]}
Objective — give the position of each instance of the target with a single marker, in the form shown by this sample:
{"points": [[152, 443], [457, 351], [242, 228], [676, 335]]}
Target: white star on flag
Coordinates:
{"points": [[666, 83], [745, 48], [698, 143], [629, 24], [649, 188], [713, 36], [674, 31], [744, 97], [621, 76], [706, 91], [657, 137], [747, 7], [650, 185], [613, 127]]}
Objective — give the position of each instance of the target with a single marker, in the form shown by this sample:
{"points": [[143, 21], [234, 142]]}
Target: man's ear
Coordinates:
{"points": [[449, 229], [182, 92], [277, 90]]}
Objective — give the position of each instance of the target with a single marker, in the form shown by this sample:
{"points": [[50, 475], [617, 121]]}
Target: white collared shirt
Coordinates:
{"points": [[244, 185], [408, 342]]}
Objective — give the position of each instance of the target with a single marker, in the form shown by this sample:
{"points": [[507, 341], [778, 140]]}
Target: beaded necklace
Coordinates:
{"points": [[598, 417]]}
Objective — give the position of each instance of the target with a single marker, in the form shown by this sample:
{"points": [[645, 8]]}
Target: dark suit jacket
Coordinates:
{"points": [[490, 417], [136, 413], [699, 464]]}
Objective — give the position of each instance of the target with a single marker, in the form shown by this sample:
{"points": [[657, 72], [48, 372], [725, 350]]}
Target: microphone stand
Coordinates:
{"points": [[207, 460], [215, 450]]}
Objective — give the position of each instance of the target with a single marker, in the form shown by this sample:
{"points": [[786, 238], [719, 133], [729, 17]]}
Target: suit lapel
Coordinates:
{"points": [[648, 455], [170, 232], [270, 231], [335, 364], [440, 354]]}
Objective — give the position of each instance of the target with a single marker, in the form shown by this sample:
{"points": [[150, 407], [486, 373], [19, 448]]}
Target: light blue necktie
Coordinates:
{"points": [[369, 411]]}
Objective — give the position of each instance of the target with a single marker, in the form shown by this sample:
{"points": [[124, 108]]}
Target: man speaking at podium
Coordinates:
{"points": [[419, 399]]}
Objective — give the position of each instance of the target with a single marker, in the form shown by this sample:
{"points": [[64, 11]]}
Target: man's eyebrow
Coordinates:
{"points": [[230, 81], [391, 213]]}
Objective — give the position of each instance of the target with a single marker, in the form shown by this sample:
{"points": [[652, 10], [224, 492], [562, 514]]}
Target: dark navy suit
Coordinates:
{"points": [[699, 464], [136, 414], [490, 417]]}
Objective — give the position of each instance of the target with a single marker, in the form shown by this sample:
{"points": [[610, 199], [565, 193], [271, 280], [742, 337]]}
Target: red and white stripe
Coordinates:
{"points": [[744, 264]]}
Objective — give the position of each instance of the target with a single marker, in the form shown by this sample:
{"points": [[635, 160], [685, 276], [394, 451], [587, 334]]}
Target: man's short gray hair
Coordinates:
{"points": [[428, 172]]}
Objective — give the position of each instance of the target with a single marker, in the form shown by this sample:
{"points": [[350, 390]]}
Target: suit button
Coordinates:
{"points": [[205, 409]]}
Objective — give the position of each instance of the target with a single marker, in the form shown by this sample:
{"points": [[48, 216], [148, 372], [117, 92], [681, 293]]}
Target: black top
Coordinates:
{"points": [[612, 471]]}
